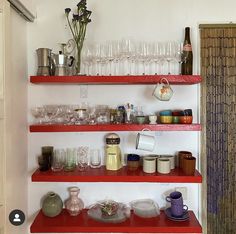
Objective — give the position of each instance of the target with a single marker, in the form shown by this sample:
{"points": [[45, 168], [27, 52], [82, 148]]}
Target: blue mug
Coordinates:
{"points": [[177, 208]]}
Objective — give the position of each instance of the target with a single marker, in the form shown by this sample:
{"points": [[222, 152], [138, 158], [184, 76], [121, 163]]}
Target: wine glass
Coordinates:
{"points": [[127, 51], [179, 56], [169, 54], [87, 57]]}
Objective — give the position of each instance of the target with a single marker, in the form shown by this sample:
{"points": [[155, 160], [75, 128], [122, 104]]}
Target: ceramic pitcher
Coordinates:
{"points": [[163, 91]]}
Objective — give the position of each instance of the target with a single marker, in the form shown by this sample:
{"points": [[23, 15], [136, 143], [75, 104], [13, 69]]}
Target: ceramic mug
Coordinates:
{"points": [[162, 91], [149, 164], [171, 158], [181, 155], [178, 210], [189, 165], [175, 198], [163, 165], [145, 142], [177, 207]]}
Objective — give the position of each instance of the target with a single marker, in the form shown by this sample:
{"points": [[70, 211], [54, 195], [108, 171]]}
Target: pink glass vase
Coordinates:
{"points": [[74, 204]]}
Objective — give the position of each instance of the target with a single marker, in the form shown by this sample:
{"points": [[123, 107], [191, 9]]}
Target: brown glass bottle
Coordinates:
{"points": [[187, 56]]}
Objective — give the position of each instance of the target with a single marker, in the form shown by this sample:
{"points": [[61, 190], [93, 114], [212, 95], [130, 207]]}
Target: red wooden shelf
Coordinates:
{"points": [[139, 79], [115, 127], [122, 175], [64, 223]]}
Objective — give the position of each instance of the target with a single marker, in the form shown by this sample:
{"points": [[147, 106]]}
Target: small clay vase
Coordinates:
{"points": [[73, 204], [52, 205]]}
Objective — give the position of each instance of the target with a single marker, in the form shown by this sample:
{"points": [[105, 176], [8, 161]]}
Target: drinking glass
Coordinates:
{"points": [[47, 153], [127, 52], [70, 161], [95, 158], [87, 58], [110, 56], [43, 163], [170, 54], [39, 114], [51, 112], [92, 117], [58, 159], [82, 158], [179, 57], [157, 57]]}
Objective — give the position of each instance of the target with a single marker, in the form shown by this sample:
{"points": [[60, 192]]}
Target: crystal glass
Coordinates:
{"points": [[51, 112], [103, 114], [39, 114], [82, 158]]}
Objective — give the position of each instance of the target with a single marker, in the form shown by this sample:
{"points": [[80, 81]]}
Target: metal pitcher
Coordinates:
{"points": [[44, 62]]}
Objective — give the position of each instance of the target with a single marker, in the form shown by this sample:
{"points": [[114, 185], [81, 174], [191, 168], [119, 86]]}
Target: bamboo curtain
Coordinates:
{"points": [[218, 69]]}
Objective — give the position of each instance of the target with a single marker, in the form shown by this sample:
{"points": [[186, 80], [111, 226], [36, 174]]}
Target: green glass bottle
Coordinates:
{"points": [[187, 56]]}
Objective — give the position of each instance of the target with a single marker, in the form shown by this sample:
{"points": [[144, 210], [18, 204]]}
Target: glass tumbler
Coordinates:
{"points": [[82, 158], [47, 153], [95, 158], [70, 160], [58, 159], [43, 163]]}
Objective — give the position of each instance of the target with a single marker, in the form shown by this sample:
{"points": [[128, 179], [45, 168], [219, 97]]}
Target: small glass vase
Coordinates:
{"points": [[74, 204]]}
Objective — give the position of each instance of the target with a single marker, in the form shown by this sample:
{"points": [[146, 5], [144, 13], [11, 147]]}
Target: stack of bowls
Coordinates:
{"points": [[166, 117], [186, 117], [175, 117]]}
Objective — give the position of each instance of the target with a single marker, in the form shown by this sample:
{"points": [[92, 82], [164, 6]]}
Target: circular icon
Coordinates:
{"points": [[16, 217]]}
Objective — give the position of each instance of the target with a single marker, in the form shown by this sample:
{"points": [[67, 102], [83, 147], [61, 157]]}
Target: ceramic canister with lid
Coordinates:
{"points": [[113, 152]]}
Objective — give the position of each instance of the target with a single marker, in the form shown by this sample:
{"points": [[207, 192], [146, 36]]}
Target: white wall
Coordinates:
{"points": [[160, 20], [16, 121]]}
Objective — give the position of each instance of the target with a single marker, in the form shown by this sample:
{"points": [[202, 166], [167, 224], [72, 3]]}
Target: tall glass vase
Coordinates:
{"points": [[78, 59]]}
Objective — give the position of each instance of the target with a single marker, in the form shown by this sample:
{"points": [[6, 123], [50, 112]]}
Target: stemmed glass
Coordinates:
{"points": [[142, 55], [111, 53], [127, 51], [87, 58], [179, 56], [51, 112], [39, 114], [169, 54]]}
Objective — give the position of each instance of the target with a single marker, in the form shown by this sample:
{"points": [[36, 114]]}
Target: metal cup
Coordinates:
{"points": [[44, 55]]}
